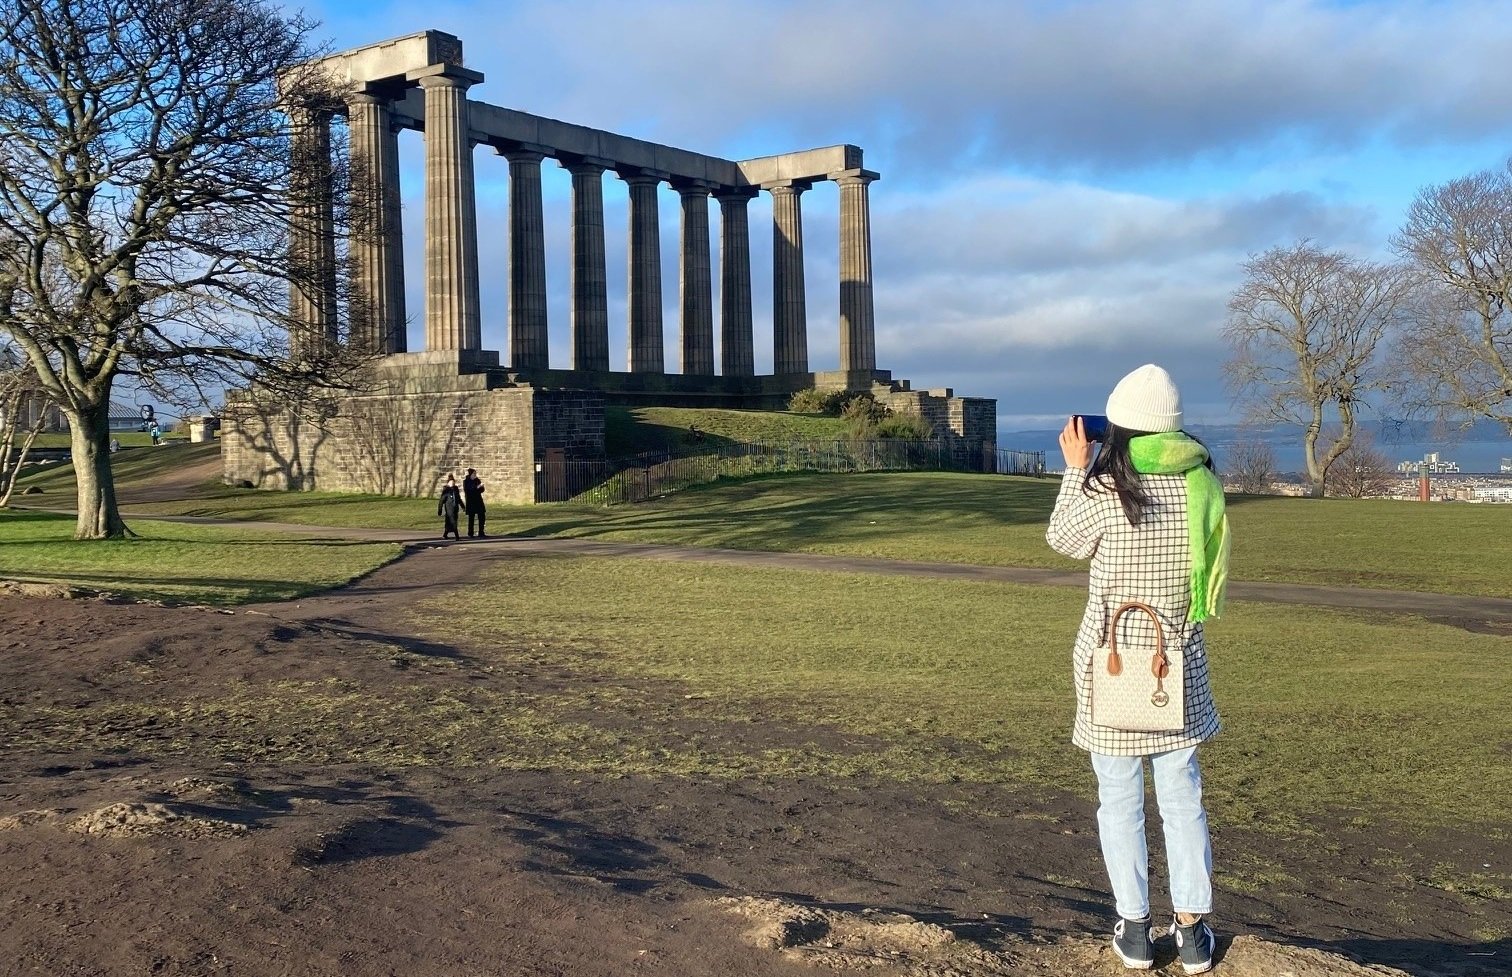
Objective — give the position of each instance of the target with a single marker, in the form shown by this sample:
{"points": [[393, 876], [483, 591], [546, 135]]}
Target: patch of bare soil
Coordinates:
{"points": [[873, 940], [125, 819], [181, 482], [231, 845]]}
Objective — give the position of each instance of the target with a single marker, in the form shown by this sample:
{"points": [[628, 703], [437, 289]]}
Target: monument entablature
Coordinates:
{"points": [[420, 82]]}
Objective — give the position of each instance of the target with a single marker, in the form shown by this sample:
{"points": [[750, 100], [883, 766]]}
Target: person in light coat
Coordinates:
{"points": [[1149, 515]]}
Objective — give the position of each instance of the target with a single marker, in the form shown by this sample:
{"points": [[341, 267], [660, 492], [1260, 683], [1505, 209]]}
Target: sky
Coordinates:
{"points": [[1069, 189]]}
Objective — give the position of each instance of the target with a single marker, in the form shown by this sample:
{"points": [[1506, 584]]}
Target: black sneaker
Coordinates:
{"points": [[1195, 945], [1132, 943]]}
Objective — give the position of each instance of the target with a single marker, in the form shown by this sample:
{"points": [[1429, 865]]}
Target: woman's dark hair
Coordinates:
{"points": [[1113, 468]]}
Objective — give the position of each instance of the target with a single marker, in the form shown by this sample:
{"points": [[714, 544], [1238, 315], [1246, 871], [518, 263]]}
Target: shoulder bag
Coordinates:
{"points": [[1136, 698]]}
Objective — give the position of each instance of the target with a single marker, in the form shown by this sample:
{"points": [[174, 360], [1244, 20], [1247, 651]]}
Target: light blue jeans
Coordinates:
{"points": [[1121, 827]]}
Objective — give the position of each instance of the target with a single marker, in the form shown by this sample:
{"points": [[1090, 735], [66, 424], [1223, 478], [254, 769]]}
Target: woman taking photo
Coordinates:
{"points": [[1149, 514]]}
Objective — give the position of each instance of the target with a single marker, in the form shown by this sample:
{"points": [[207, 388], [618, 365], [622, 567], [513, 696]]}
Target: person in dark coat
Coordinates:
{"points": [[472, 495], [449, 506]]}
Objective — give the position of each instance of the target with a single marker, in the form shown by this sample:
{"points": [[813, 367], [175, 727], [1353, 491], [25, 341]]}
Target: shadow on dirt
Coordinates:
{"points": [[402, 642], [1430, 958], [575, 848]]}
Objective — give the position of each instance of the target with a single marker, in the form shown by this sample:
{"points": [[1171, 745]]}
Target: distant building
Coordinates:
{"points": [[1430, 464], [36, 407], [55, 422], [1506, 465]]}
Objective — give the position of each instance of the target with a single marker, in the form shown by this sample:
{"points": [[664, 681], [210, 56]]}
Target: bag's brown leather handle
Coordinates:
{"points": [[1160, 666]]}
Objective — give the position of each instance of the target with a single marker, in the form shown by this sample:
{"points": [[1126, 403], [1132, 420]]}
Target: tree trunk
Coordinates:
{"points": [[99, 517], [1315, 472], [12, 461]]}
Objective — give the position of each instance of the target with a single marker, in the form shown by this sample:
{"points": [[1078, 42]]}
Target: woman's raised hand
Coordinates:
{"points": [[1074, 444]]}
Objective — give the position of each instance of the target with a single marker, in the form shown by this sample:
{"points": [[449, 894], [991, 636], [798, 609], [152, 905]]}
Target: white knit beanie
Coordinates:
{"points": [[1146, 400]]}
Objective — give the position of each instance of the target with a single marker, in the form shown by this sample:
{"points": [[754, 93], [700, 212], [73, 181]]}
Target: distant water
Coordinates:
{"points": [[1478, 450]]}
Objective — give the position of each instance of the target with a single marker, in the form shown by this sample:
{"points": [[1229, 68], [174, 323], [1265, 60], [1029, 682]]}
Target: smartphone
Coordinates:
{"points": [[1094, 426]]}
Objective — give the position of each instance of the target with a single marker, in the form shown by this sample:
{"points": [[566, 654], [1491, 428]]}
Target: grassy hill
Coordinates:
{"points": [[132, 465], [634, 430], [927, 516]]}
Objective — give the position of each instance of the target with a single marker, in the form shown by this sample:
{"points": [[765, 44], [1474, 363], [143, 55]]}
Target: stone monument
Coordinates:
{"points": [[455, 405]]}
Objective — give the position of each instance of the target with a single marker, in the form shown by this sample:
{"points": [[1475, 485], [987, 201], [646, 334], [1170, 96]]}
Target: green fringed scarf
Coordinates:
{"points": [[1207, 526]]}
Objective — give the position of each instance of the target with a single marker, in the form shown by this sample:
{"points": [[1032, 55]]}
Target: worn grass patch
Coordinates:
{"points": [[129, 466], [946, 680], [169, 561]]}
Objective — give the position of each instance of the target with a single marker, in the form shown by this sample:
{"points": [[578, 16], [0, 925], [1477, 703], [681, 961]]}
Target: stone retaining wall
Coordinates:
{"points": [[406, 443]]}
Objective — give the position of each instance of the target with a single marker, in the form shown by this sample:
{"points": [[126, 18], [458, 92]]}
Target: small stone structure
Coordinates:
{"points": [[455, 405]]}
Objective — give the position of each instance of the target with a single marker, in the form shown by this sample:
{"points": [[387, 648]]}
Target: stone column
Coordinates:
{"points": [[528, 336], [789, 312], [452, 319], [590, 291], [736, 346], [695, 284], [858, 340], [644, 298], [377, 306], [312, 234]]}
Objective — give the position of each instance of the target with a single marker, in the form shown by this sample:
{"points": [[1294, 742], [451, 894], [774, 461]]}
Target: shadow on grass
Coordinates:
{"points": [[324, 542], [646, 437], [782, 518], [20, 514], [405, 642], [177, 590]]}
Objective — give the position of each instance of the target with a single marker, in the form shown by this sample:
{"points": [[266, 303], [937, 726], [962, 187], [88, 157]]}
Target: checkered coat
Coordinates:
{"points": [[1150, 563]]}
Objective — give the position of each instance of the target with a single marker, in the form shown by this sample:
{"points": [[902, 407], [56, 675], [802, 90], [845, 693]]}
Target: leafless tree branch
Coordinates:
{"points": [[1305, 327], [1456, 352], [146, 203]]}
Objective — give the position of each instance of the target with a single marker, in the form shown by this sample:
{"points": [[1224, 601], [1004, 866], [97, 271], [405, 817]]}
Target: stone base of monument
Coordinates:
{"points": [[441, 412]]}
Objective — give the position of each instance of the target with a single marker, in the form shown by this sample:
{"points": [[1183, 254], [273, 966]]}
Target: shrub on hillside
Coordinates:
{"points": [[862, 414], [812, 401], [863, 410], [904, 427]]}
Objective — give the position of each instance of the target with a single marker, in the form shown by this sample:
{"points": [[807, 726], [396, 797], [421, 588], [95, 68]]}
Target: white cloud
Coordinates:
{"points": [[1104, 84], [1038, 290]]}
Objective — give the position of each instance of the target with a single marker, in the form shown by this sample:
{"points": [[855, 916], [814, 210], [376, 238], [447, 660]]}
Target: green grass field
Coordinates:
{"points": [[925, 516], [633, 430], [168, 561], [961, 518], [140, 464], [718, 671], [128, 439], [1325, 712]]}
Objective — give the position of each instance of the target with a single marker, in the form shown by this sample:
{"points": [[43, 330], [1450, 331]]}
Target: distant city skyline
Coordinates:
{"points": [[1482, 452]]}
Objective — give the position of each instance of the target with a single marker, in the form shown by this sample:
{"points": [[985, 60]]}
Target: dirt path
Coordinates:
{"points": [[242, 858], [178, 483]]}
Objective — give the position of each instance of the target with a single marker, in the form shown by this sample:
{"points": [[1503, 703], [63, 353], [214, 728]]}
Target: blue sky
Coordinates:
{"points": [[1068, 189]]}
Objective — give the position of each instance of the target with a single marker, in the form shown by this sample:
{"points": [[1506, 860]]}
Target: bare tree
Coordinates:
{"points": [[1362, 470], [23, 411], [1456, 354], [1305, 326], [145, 206], [1251, 466]]}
